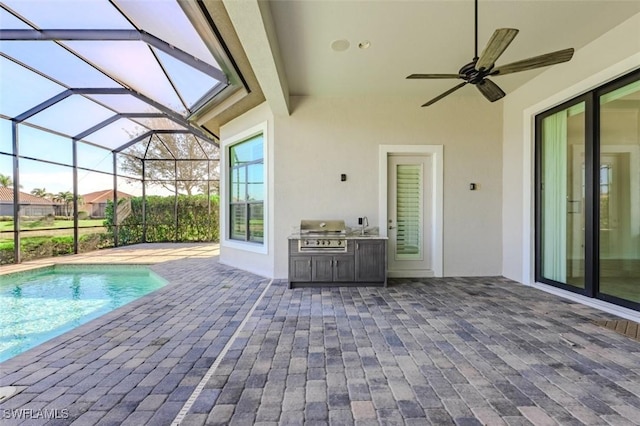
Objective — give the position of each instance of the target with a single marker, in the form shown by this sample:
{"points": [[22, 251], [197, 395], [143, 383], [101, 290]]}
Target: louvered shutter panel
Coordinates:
{"points": [[408, 208]]}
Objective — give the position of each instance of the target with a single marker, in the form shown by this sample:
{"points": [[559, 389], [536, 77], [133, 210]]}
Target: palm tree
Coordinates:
{"points": [[5, 181], [40, 192], [66, 198]]}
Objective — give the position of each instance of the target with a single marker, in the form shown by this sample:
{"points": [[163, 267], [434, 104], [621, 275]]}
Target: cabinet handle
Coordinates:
{"points": [[309, 263], [336, 263], [357, 246]]}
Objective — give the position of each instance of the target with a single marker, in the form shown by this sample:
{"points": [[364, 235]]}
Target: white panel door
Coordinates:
{"points": [[409, 208]]}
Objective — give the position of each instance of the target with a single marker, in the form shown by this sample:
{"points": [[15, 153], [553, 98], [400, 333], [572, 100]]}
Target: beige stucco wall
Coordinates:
{"points": [[325, 137], [248, 256], [614, 54]]}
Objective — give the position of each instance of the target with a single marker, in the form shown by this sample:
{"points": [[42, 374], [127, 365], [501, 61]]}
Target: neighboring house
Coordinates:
{"points": [[30, 205], [95, 203]]}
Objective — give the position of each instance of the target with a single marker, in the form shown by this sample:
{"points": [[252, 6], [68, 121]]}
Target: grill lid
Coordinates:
{"points": [[322, 227]]}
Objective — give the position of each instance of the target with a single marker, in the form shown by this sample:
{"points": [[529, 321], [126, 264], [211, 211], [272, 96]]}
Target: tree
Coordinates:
{"points": [[5, 181], [40, 192], [66, 198], [161, 165]]}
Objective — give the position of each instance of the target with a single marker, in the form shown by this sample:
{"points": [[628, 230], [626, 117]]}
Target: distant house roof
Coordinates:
{"points": [[6, 196], [103, 196]]}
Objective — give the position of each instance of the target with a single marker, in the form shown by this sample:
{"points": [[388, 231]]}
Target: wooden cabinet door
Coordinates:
{"points": [[300, 268], [371, 261], [322, 268], [343, 268]]}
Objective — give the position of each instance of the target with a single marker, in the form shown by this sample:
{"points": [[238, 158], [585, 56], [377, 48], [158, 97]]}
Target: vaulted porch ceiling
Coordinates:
{"points": [[405, 37]]}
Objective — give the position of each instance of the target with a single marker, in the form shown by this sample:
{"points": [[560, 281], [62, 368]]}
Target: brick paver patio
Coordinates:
{"points": [[461, 351]]}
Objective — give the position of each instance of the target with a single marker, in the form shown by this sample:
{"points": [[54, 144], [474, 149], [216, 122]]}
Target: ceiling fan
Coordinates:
{"points": [[481, 67]]}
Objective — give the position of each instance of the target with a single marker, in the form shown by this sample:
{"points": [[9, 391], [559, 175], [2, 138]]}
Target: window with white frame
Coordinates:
{"points": [[246, 190]]}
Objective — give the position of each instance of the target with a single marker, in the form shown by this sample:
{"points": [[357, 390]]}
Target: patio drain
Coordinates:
{"points": [[625, 327], [7, 392]]}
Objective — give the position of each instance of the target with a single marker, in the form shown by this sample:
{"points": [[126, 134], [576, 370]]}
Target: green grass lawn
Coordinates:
{"points": [[42, 224]]}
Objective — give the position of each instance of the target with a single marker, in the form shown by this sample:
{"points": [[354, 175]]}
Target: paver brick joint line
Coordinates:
{"points": [[200, 387]]}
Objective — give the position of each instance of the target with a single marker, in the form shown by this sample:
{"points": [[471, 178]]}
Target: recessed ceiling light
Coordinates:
{"points": [[365, 44], [340, 45]]}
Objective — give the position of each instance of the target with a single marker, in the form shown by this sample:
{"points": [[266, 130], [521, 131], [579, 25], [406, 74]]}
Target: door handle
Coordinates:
{"points": [[392, 227]]}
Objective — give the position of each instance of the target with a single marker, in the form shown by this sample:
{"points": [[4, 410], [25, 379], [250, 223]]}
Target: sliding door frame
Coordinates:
{"points": [[591, 100], [588, 238], [597, 94]]}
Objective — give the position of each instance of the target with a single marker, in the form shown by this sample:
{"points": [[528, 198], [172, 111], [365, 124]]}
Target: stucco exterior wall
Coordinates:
{"points": [[325, 137], [251, 257]]}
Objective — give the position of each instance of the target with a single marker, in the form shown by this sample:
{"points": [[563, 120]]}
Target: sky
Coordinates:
{"points": [[134, 63]]}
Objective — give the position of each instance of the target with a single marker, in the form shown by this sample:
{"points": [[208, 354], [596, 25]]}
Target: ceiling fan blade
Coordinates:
{"points": [[448, 92], [496, 45], [490, 90], [535, 62], [432, 76]]}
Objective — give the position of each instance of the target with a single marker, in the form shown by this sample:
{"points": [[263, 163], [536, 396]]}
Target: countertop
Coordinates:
{"points": [[350, 236]]}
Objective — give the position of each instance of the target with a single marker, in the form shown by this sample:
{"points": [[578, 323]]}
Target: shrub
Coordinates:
{"points": [[32, 248], [195, 222]]}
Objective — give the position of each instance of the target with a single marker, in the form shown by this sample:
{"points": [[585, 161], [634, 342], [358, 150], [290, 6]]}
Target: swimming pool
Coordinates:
{"points": [[38, 305]]}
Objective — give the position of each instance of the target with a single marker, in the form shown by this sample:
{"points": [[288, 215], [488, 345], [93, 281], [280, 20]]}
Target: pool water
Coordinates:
{"points": [[38, 305]]}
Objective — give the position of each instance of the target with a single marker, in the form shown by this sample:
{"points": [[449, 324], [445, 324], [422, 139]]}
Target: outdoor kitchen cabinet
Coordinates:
{"points": [[371, 260], [340, 268], [364, 263], [300, 268]]}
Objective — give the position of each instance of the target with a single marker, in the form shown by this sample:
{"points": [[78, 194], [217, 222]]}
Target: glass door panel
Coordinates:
{"points": [[409, 211], [619, 229], [562, 197]]}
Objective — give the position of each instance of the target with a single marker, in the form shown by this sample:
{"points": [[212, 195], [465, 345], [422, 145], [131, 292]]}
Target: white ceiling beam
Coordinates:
{"points": [[255, 28]]}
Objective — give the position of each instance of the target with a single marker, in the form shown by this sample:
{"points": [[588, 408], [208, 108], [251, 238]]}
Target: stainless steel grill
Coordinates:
{"points": [[323, 236]]}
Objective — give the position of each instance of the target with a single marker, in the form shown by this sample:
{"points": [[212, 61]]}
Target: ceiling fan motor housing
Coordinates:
{"points": [[470, 74]]}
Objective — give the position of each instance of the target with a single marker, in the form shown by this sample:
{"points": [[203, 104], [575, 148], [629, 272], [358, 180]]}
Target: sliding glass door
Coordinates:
{"points": [[562, 196], [588, 194], [619, 201]]}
